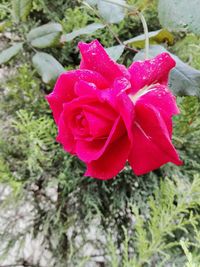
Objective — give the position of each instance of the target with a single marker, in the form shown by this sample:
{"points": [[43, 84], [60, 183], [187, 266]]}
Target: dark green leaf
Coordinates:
{"points": [[45, 36], [89, 29], [184, 80], [180, 15], [10, 52], [21, 9], [116, 51], [47, 66]]}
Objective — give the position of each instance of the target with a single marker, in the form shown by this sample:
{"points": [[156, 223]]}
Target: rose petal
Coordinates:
{"points": [[117, 97], [65, 137], [92, 150], [64, 88], [55, 105], [162, 99], [111, 162], [155, 70], [99, 126], [152, 146], [94, 57]]}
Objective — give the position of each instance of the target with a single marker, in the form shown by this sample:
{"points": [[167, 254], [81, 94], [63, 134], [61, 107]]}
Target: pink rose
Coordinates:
{"points": [[107, 114]]}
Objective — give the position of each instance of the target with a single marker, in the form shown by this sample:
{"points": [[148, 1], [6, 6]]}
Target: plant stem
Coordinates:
{"points": [[146, 34]]}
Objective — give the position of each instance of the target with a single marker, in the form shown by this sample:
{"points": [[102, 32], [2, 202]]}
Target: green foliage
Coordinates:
{"points": [[34, 139], [171, 216], [10, 52], [151, 220], [23, 91], [46, 35], [21, 9], [175, 16], [47, 66], [188, 49]]}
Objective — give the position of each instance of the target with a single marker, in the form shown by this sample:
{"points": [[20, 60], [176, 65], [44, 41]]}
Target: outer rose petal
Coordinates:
{"points": [[64, 88], [162, 99], [155, 70], [94, 57], [65, 136], [55, 105], [112, 161], [152, 146]]}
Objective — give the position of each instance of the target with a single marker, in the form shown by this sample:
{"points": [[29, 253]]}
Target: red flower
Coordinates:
{"points": [[107, 114]]}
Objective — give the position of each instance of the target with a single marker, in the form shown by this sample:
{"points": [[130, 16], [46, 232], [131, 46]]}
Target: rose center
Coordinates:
{"points": [[81, 122]]}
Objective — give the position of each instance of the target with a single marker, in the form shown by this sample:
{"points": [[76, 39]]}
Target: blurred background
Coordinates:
{"points": [[50, 214]]}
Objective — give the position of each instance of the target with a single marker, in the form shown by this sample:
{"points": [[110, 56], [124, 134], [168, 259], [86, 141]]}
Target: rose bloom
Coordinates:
{"points": [[107, 114]]}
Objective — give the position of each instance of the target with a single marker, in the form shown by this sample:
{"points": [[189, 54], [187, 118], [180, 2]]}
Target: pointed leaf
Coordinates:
{"points": [[184, 80], [47, 66], [21, 9], [10, 52], [115, 52], [89, 29], [159, 36], [180, 15], [45, 36]]}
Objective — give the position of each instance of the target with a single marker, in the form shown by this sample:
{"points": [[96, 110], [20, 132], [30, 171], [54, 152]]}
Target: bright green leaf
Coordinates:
{"points": [[46, 35], [10, 52], [180, 15], [112, 13], [21, 9], [89, 29], [47, 67], [155, 37], [184, 80], [115, 52]]}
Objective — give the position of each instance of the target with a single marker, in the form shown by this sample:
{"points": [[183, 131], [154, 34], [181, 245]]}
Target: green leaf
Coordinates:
{"points": [[155, 37], [89, 29], [47, 67], [46, 35], [115, 52], [180, 15], [184, 80], [4, 25], [10, 52], [91, 2], [112, 13], [21, 9]]}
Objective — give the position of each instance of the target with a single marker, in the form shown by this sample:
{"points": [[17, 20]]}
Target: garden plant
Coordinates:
{"points": [[100, 133]]}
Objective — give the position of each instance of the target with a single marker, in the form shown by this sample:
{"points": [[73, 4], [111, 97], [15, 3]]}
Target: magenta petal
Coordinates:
{"points": [[152, 146], [65, 85], [99, 126], [155, 70], [55, 105], [94, 57], [92, 150], [163, 100], [83, 88], [111, 162], [65, 137]]}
